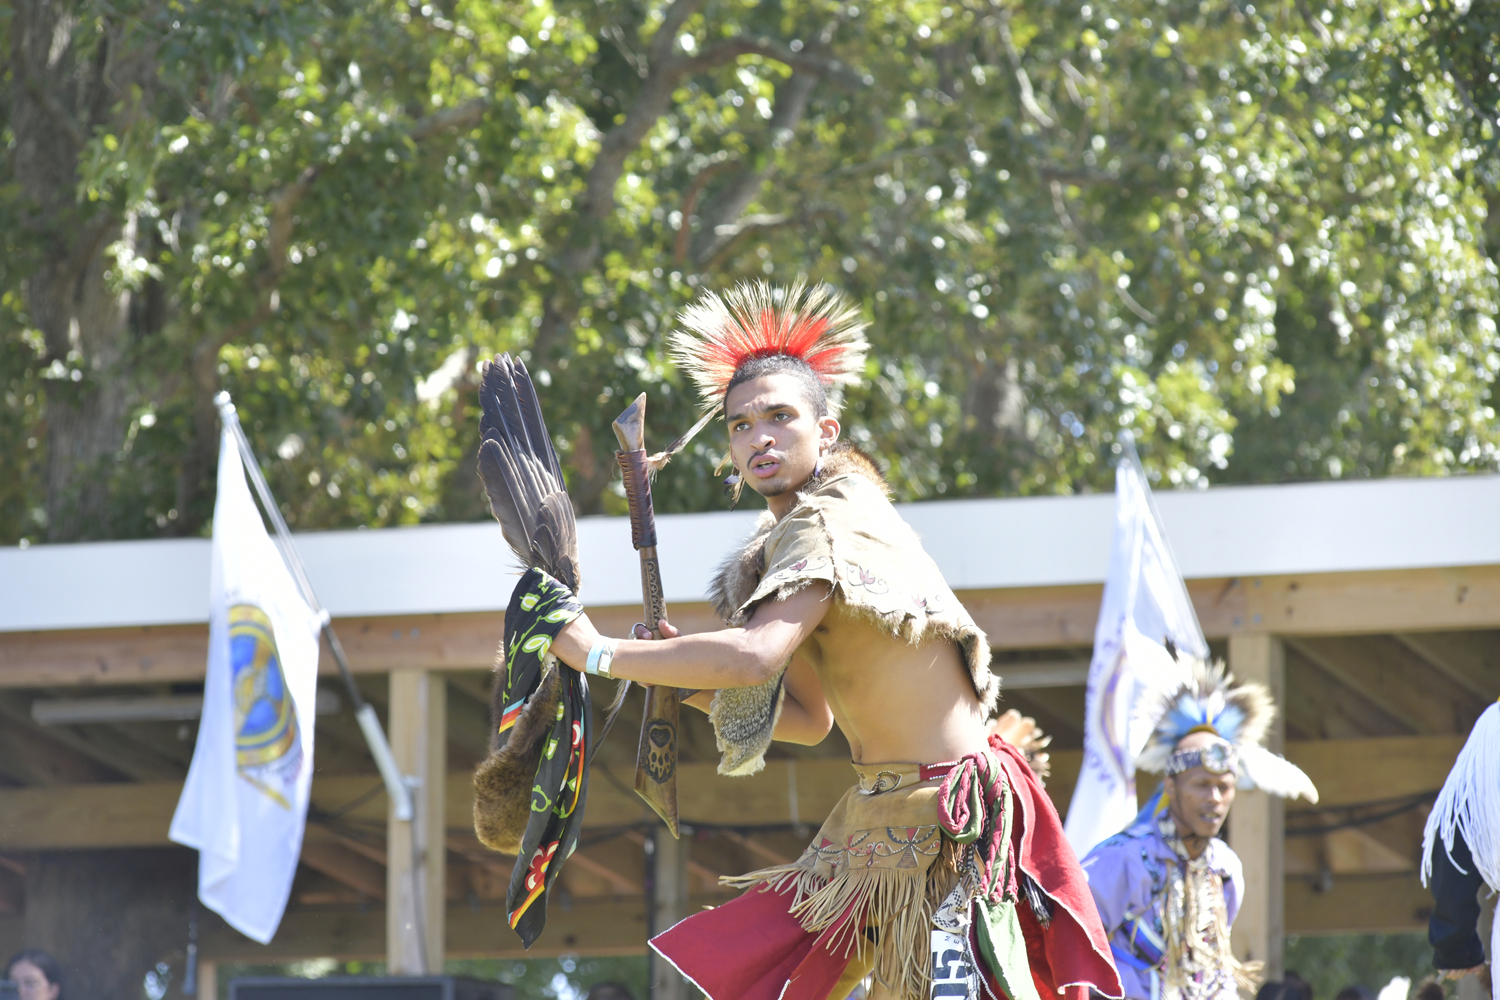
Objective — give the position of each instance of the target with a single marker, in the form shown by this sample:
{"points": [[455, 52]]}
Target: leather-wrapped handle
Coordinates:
{"points": [[656, 756]]}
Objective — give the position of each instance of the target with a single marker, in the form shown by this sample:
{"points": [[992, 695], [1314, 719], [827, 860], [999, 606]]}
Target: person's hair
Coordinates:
{"points": [[41, 960], [1295, 987], [762, 365], [1430, 989], [1357, 991]]}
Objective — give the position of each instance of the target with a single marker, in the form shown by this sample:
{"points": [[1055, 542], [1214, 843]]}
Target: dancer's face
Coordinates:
{"points": [[776, 437], [1200, 799]]}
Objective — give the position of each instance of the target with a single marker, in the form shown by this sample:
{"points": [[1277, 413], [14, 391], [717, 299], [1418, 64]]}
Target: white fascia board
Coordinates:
{"points": [[1386, 524], [1226, 531]]}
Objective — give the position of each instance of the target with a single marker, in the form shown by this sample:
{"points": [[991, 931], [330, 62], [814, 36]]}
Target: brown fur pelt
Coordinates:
{"points": [[503, 780]]}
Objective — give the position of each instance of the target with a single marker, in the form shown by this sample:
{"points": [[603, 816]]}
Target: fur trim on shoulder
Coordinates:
{"points": [[844, 458], [740, 572]]}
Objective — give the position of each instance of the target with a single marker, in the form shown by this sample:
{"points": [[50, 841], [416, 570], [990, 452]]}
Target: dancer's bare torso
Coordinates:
{"points": [[894, 702]]}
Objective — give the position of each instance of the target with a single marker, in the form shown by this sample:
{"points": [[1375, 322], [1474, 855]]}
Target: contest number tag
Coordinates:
{"points": [[952, 975]]}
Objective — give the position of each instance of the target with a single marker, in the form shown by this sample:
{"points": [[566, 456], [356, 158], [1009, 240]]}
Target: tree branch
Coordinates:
{"points": [[730, 234], [689, 203], [56, 112], [727, 206], [463, 116], [731, 49], [665, 38], [1028, 97]]}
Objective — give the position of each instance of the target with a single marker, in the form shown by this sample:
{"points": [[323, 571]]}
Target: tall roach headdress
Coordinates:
{"points": [[815, 324]]}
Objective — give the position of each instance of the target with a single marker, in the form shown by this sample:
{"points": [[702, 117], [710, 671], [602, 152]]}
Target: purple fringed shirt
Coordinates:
{"points": [[1127, 875]]}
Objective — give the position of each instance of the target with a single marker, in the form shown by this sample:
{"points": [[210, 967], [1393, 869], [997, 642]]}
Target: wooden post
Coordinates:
{"points": [[208, 980], [669, 904], [1257, 822], [415, 877]]}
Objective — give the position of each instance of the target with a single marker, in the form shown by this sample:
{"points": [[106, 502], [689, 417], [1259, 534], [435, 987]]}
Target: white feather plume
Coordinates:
{"points": [[1271, 772]]}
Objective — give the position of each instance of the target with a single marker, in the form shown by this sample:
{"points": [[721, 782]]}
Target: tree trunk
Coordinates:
{"points": [[56, 103], [109, 917]]}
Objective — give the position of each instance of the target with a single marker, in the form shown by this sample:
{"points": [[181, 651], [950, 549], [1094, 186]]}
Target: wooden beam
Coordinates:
{"points": [[1395, 679], [621, 884], [600, 927], [669, 905], [208, 980], [1392, 767], [1320, 706], [1459, 597], [416, 850], [349, 867], [595, 927], [30, 758], [147, 654], [756, 848], [1392, 904], [137, 815], [1019, 618], [1469, 659], [1257, 821]]}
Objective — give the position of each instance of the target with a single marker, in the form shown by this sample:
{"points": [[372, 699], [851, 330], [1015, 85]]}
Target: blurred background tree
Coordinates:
{"points": [[1262, 236]]}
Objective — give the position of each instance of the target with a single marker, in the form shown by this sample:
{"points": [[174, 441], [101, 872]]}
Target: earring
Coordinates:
{"points": [[818, 466]]}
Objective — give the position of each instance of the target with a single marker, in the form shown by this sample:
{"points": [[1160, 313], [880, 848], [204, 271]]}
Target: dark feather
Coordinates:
{"points": [[521, 474]]}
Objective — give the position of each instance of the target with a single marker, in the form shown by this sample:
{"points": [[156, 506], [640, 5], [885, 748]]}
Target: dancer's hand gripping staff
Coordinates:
{"points": [[656, 758]]}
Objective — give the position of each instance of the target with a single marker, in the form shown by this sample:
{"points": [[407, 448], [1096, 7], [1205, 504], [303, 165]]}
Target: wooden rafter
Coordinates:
{"points": [[338, 862], [1391, 676], [1319, 705], [1469, 659], [756, 848]]}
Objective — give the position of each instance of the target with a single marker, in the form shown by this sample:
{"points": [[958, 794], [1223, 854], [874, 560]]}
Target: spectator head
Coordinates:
{"points": [[1296, 988], [1271, 991], [1355, 992], [1430, 989], [36, 973]]}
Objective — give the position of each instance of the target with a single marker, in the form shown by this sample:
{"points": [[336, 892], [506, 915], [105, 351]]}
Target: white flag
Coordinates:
{"points": [[244, 806], [1145, 603]]}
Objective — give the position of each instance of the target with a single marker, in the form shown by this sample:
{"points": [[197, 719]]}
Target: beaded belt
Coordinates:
{"points": [[877, 778]]}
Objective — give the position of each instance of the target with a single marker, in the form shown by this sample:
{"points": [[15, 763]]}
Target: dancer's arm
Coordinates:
{"points": [[734, 657], [805, 716]]}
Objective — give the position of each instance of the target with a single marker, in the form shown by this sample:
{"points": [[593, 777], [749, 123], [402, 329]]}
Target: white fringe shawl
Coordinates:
{"points": [[1469, 807], [1469, 804]]}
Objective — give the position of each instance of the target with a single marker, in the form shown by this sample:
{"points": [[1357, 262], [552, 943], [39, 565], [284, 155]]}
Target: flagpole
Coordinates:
{"points": [[369, 723]]}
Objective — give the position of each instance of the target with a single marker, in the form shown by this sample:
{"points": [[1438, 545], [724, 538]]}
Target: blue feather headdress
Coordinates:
{"points": [[1240, 714]]}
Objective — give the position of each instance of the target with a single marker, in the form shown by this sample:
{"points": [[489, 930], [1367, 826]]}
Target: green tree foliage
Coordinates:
{"points": [[1263, 237], [1372, 960]]}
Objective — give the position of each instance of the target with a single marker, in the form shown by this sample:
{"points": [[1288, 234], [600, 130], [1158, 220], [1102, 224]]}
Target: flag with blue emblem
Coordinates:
{"points": [[244, 806]]}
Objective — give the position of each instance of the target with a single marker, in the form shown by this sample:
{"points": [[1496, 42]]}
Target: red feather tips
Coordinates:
{"points": [[816, 324]]}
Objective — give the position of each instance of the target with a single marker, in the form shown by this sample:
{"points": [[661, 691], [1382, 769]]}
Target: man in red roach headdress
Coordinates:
{"points": [[943, 870]]}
